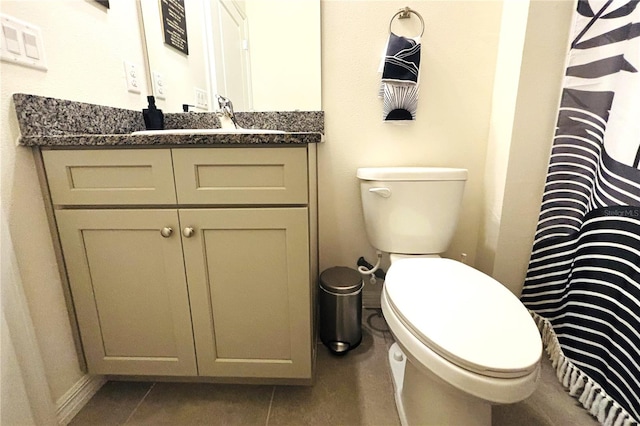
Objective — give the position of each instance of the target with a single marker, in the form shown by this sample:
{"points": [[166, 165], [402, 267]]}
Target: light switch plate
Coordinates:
{"points": [[11, 38], [31, 49], [22, 43]]}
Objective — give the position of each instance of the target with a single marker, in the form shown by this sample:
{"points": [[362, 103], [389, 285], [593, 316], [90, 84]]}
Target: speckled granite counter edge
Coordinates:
{"points": [[173, 140], [48, 121]]}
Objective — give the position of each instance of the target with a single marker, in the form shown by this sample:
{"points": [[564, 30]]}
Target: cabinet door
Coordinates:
{"points": [[248, 274], [129, 290]]}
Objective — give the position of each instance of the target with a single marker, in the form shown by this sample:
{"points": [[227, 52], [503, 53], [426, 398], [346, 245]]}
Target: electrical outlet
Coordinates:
{"points": [[202, 100], [159, 89], [133, 77]]}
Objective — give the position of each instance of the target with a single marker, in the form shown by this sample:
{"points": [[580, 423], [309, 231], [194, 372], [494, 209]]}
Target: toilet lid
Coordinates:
{"points": [[464, 316]]}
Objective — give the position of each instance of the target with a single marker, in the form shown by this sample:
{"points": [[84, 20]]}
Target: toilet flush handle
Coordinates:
{"points": [[381, 191]]}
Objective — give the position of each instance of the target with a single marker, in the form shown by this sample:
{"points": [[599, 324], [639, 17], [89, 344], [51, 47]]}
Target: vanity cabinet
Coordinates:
{"points": [[189, 261]]}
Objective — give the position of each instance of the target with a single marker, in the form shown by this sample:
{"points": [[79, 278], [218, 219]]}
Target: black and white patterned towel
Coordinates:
{"points": [[399, 88]]}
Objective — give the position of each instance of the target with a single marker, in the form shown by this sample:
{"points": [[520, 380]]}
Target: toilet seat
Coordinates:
{"points": [[464, 316]]}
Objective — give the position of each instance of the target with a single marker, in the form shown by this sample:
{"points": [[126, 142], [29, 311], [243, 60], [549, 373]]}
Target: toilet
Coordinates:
{"points": [[463, 341]]}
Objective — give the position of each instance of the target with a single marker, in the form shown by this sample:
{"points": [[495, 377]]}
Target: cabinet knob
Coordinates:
{"points": [[166, 232], [188, 231]]}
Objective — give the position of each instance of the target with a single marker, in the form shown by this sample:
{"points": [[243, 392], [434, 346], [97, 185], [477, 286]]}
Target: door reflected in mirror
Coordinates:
{"points": [[264, 55]]}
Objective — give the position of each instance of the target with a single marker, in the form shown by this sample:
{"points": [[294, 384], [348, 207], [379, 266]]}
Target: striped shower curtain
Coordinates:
{"points": [[583, 281]]}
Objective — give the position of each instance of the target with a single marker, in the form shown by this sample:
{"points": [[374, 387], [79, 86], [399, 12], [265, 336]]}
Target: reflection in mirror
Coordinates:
{"points": [[264, 55]]}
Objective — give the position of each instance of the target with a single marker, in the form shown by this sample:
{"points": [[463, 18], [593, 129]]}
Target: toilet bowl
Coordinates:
{"points": [[463, 340], [463, 343]]}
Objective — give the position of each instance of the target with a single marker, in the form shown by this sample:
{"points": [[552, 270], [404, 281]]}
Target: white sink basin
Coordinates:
{"points": [[206, 132]]}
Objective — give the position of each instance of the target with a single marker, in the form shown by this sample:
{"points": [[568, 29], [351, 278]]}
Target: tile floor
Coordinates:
{"points": [[354, 389]]}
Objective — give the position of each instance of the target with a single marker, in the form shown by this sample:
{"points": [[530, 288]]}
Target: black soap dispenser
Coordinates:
{"points": [[153, 117]]}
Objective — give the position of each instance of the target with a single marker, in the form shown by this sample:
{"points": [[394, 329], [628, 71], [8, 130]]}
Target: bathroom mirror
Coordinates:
{"points": [[264, 55]]}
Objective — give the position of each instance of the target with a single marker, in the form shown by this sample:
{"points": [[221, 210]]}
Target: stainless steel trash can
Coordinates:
{"points": [[340, 298]]}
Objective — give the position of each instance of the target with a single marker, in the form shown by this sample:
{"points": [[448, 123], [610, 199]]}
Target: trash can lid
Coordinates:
{"points": [[341, 280]]}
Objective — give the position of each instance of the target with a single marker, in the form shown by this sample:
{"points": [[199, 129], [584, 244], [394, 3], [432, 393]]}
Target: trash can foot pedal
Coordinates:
{"points": [[339, 347]]}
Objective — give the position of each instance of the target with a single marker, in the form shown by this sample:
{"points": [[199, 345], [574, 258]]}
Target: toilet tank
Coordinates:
{"points": [[411, 210]]}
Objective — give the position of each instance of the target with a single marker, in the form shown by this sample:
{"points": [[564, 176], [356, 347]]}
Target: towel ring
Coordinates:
{"points": [[404, 13]]}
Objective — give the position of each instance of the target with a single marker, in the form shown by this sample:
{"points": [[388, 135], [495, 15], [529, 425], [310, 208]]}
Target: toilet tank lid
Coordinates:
{"points": [[411, 173]]}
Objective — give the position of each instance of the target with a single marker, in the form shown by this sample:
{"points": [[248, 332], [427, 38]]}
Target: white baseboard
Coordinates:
{"points": [[77, 397]]}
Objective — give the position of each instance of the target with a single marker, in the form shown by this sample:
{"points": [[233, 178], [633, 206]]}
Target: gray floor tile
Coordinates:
{"points": [[550, 405], [354, 389], [351, 389], [113, 404], [204, 404], [373, 321]]}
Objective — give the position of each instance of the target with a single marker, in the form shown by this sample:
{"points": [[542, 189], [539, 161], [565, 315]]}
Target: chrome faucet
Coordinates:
{"points": [[226, 113]]}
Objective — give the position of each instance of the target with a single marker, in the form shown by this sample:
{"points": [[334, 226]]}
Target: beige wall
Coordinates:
{"points": [[25, 397], [85, 49], [502, 133], [520, 145], [458, 62], [536, 109], [284, 43], [505, 92]]}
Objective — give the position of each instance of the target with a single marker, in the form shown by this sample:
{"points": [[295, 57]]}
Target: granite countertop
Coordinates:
{"points": [[59, 123]]}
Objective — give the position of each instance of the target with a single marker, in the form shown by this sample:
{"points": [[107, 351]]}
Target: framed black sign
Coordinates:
{"points": [[174, 23]]}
